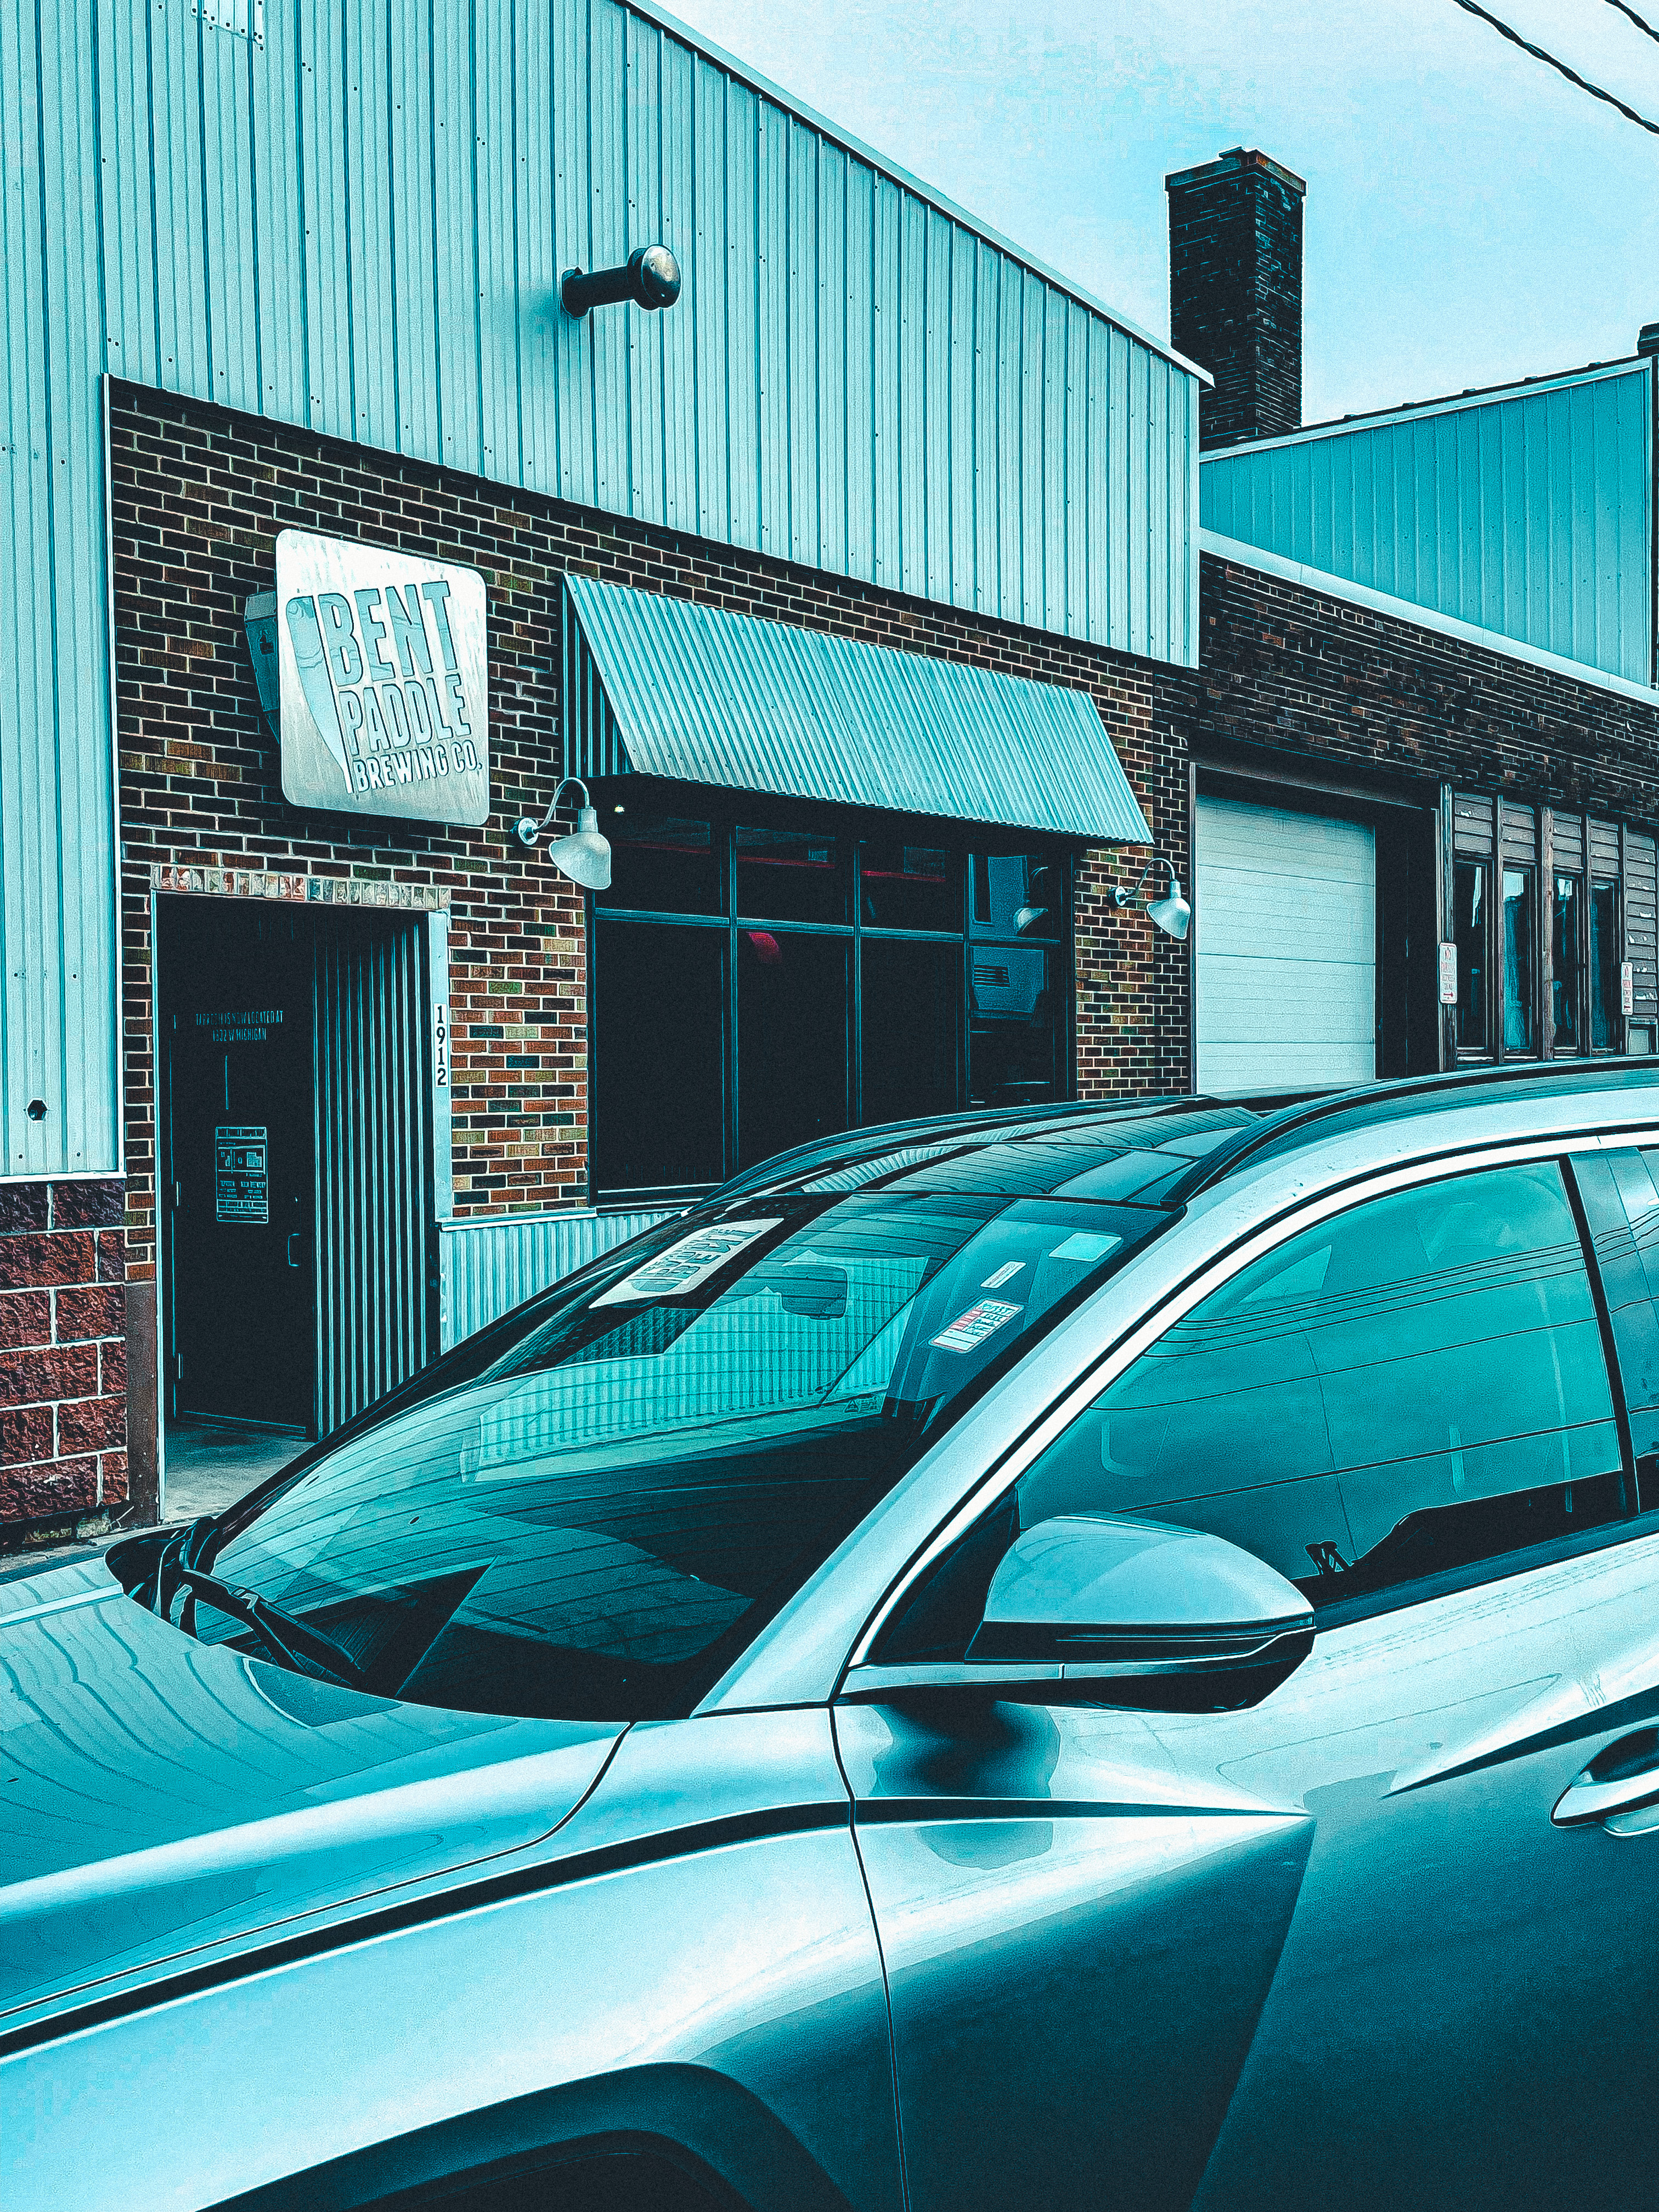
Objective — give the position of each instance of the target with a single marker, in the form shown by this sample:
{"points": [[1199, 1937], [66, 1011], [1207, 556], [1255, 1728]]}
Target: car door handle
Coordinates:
{"points": [[1621, 1779], [294, 1235]]}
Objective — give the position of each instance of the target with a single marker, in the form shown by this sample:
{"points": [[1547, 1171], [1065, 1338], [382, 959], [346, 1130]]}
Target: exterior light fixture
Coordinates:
{"points": [[583, 855], [650, 276], [1171, 914]]}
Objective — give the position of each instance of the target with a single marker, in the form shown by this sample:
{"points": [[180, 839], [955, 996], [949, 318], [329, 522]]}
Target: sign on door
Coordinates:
{"points": [[241, 1176]]}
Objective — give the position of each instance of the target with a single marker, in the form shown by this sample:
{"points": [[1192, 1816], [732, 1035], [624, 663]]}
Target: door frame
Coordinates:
{"points": [[436, 1167]]}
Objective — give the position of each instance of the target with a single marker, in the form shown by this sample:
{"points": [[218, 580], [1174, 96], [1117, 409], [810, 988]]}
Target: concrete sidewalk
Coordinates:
{"points": [[210, 1464]]}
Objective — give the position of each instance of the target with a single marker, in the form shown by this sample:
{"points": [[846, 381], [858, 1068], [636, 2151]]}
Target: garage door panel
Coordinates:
{"points": [[1326, 1006], [1255, 915], [1253, 1068], [1285, 948]]}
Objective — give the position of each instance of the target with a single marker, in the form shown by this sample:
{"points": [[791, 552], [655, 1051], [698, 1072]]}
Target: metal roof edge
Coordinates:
{"points": [[907, 180], [1415, 410], [1492, 641]]}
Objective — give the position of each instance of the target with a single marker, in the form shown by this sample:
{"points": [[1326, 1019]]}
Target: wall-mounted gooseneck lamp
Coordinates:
{"points": [[583, 855], [650, 276], [1171, 914]]}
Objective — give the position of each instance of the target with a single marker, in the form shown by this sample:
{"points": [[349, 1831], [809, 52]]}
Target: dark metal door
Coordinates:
{"points": [[236, 1035]]}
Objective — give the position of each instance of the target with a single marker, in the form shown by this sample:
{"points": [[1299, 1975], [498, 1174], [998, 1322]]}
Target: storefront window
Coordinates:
{"points": [[909, 887], [1517, 960], [1015, 895], [791, 875], [1470, 933], [912, 1027], [794, 1000], [1566, 961], [850, 980], [659, 993], [1013, 1034], [1604, 964], [662, 863]]}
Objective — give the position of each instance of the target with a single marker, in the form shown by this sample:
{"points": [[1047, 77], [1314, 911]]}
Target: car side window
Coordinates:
{"points": [[1415, 1385]]}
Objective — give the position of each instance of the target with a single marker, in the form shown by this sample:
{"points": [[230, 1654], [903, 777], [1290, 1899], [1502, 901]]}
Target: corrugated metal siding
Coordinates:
{"points": [[372, 1117], [487, 1268], [360, 225], [1528, 513], [667, 687]]}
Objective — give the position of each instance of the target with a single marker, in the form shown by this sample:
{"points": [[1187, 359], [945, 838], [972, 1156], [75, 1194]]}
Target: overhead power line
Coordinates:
{"points": [[1640, 25], [1595, 92]]}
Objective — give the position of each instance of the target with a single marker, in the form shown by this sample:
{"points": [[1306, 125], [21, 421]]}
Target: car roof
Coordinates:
{"points": [[1151, 1152]]}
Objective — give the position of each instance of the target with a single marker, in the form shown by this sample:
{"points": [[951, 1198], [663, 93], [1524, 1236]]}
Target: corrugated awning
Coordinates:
{"points": [[657, 686]]}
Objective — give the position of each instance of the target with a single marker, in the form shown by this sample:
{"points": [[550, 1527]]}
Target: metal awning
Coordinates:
{"points": [[658, 686]]}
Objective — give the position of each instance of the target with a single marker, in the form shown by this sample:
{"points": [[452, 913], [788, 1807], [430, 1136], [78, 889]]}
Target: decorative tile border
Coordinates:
{"points": [[316, 890]]}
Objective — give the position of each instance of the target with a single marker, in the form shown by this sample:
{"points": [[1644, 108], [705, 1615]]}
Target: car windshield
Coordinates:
{"points": [[589, 1510]]}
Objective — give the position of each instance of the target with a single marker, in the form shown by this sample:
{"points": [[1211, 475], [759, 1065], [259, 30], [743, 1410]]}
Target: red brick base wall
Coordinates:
{"points": [[63, 1352]]}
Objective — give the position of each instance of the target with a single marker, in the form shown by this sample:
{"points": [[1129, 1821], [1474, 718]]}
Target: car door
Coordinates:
{"points": [[1334, 1947]]}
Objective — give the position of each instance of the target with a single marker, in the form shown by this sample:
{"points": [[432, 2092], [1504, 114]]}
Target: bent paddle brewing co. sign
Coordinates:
{"points": [[382, 679]]}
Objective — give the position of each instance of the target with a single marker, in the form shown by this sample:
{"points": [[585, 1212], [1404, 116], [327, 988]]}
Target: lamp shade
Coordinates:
{"points": [[1171, 914], [583, 855]]}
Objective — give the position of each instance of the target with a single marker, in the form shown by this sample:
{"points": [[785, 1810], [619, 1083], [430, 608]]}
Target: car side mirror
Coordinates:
{"points": [[1088, 1608]]}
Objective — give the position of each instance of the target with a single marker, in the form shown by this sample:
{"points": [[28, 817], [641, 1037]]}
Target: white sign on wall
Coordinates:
{"points": [[383, 673], [1448, 973]]}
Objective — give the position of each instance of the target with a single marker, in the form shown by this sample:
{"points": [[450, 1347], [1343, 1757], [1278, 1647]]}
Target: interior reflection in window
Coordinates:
{"points": [[1412, 1386], [1470, 933], [1518, 993], [1566, 963]]}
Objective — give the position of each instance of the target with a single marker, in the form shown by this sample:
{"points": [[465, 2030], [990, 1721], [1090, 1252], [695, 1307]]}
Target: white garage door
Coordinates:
{"points": [[1286, 948]]}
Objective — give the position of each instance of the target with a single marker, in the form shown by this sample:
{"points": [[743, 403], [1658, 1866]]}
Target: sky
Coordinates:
{"points": [[1471, 217]]}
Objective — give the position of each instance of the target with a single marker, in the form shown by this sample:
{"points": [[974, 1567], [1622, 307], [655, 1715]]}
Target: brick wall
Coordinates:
{"points": [[1292, 672], [1235, 292], [63, 1352]]}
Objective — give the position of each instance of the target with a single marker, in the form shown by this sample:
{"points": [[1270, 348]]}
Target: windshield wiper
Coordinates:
{"points": [[288, 1640]]}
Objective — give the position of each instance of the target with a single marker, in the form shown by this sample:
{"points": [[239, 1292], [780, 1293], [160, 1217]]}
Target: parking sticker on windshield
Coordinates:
{"points": [[692, 1260], [1086, 1248], [969, 1330]]}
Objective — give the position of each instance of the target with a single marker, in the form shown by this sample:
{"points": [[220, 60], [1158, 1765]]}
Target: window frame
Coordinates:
{"points": [[1218, 1269], [1498, 835], [853, 830]]}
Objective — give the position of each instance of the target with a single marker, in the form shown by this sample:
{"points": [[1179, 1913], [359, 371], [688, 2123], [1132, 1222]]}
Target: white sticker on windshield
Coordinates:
{"points": [[969, 1330], [692, 1260], [1004, 1274], [1085, 1249]]}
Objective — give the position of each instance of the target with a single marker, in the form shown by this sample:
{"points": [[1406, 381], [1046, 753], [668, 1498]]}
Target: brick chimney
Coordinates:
{"points": [[1235, 292]]}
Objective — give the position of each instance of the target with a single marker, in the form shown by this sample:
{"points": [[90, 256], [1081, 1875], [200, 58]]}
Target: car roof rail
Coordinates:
{"points": [[1401, 1099]]}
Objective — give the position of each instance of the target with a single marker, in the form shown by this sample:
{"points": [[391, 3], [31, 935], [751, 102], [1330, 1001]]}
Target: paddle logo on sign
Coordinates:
{"points": [[383, 674]]}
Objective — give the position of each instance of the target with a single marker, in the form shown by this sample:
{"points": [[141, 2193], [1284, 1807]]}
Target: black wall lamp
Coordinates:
{"points": [[650, 276], [1171, 914]]}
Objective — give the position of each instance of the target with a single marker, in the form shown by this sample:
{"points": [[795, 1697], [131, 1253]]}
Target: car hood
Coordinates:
{"points": [[162, 1800]]}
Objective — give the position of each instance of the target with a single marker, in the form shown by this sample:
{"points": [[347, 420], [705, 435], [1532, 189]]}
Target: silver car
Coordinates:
{"points": [[1105, 1658]]}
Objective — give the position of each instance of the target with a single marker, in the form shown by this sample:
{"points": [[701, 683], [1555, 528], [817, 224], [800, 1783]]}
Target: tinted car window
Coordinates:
{"points": [[598, 1515], [1412, 1386]]}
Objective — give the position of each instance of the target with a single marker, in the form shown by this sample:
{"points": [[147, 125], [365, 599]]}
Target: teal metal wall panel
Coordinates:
{"points": [[487, 1268], [358, 223], [372, 1117], [1528, 512], [667, 687]]}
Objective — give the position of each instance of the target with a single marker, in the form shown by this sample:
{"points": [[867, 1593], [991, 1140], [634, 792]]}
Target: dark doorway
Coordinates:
{"points": [[299, 1263], [236, 1035]]}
